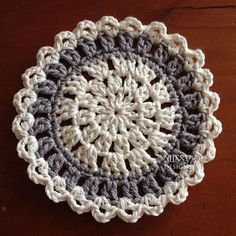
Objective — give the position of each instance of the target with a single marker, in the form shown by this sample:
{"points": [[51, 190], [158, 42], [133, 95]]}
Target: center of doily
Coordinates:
{"points": [[116, 115]]}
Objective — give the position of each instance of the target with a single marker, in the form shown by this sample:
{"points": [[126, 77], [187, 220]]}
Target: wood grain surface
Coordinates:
{"points": [[26, 25]]}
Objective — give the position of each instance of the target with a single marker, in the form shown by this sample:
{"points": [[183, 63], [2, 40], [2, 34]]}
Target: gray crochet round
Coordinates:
{"points": [[75, 161]]}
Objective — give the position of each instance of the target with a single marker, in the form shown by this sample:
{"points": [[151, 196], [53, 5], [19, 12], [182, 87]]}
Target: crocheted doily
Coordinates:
{"points": [[117, 118]]}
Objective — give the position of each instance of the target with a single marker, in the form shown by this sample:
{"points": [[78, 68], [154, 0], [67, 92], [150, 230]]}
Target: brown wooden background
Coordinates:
{"points": [[26, 25]]}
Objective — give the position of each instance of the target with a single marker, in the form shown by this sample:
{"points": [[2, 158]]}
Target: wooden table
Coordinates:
{"points": [[26, 25]]}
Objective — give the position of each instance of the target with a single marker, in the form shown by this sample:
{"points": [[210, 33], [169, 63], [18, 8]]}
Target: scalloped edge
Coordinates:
{"points": [[55, 188]]}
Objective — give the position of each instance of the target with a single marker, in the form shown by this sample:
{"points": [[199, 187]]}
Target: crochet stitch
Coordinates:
{"points": [[117, 118]]}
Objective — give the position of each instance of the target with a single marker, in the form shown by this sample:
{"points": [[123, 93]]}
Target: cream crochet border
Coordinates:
{"points": [[102, 211]]}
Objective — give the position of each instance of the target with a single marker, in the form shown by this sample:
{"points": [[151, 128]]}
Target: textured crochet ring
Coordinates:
{"points": [[117, 118]]}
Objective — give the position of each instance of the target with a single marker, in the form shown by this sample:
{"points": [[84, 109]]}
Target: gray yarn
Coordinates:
{"points": [[179, 84]]}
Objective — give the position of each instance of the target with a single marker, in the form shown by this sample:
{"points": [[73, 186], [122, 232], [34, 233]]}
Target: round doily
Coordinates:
{"points": [[117, 118]]}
